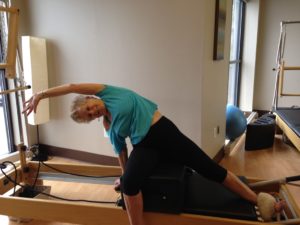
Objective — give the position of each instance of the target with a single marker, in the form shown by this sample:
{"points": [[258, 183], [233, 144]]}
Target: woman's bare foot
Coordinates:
{"points": [[268, 206]]}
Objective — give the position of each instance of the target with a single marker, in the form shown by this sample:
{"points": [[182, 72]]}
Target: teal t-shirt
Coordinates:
{"points": [[131, 115]]}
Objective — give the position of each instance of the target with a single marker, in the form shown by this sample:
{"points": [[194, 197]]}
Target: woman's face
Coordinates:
{"points": [[92, 109]]}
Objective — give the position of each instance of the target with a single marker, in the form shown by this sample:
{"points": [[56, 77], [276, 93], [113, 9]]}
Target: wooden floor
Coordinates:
{"points": [[279, 161]]}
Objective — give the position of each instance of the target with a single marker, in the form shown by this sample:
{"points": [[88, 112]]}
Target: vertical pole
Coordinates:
{"points": [[12, 43], [281, 74], [24, 168]]}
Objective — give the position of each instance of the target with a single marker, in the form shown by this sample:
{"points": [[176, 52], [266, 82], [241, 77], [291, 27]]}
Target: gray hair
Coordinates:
{"points": [[79, 101]]}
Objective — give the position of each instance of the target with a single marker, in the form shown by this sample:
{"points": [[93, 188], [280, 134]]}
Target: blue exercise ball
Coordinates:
{"points": [[236, 122]]}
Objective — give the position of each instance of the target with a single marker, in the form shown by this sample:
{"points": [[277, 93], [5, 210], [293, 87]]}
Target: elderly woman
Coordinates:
{"points": [[153, 136]]}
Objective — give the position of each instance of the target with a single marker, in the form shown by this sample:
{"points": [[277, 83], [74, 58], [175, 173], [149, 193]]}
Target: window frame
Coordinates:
{"points": [[4, 101], [5, 104], [237, 62]]}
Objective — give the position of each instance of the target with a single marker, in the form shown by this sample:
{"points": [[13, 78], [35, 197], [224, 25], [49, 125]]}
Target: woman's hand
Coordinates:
{"points": [[32, 103], [81, 88], [117, 185]]}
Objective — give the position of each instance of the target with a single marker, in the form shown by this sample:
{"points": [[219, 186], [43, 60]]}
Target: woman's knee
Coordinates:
{"points": [[129, 185]]}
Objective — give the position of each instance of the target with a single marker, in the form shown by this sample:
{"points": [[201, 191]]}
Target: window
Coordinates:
{"points": [[6, 134], [238, 11], [6, 131]]}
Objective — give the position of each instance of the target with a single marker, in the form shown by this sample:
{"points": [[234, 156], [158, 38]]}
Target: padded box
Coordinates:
{"points": [[260, 134], [205, 197], [164, 190], [178, 189]]}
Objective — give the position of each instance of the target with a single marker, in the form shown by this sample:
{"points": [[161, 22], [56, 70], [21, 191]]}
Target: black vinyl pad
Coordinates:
{"points": [[204, 197], [291, 116]]}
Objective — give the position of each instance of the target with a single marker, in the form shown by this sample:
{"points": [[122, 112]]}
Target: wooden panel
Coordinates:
{"points": [[6, 185], [82, 156], [281, 79], [94, 170], [98, 214], [62, 211]]}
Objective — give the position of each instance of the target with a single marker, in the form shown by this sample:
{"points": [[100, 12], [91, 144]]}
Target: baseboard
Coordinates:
{"points": [[80, 155]]}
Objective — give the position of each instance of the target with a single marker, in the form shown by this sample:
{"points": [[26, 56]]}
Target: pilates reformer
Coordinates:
{"points": [[287, 118], [29, 172], [228, 209]]}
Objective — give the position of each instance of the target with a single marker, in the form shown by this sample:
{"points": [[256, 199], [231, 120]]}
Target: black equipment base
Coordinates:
{"points": [[260, 134], [177, 189], [205, 197]]}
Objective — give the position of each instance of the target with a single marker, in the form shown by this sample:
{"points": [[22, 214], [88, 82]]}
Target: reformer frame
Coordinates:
{"points": [[281, 67], [286, 129], [91, 213], [279, 84], [9, 63]]}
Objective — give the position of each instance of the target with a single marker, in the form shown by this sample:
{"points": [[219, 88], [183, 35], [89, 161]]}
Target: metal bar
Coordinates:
{"points": [[291, 68], [267, 182], [289, 94], [282, 180], [290, 22], [9, 10], [15, 90], [281, 75], [72, 178], [4, 65]]}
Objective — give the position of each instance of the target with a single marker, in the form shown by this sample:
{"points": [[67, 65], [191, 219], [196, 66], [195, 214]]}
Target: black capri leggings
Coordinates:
{"points": [[165, 143]]}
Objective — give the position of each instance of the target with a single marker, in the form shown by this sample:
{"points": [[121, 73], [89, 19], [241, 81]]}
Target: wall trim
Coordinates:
{"points": [[79, 155]]}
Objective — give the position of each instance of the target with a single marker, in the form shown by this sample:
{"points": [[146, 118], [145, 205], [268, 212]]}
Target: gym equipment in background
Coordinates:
{"points": [[236, 122], [288, 118], [260, 133]]}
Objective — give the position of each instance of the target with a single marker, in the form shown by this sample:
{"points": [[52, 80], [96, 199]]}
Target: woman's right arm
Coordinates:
{"points": [[82, 88], [123, 157]]}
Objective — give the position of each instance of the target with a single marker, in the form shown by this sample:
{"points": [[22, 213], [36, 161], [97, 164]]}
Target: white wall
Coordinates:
{"points": [[272, 13], [161, 49], [214, 83]]}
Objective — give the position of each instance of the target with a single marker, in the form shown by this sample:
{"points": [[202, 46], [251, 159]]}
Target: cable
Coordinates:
{"points": [[30, 188], [3, 166], [74, 174]]}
